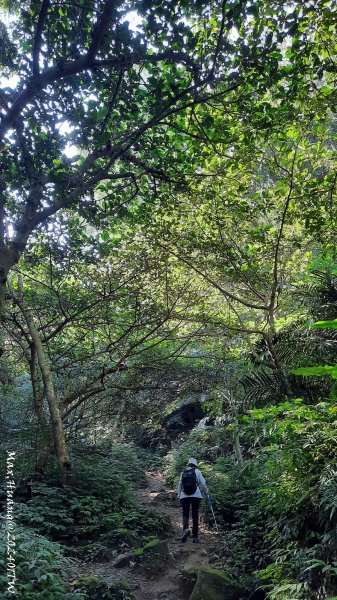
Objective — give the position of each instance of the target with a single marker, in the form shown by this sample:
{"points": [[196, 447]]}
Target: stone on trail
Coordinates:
{"points": [[153, 557], [164, 496], [123, 560], [187, 579], [215, 584]]}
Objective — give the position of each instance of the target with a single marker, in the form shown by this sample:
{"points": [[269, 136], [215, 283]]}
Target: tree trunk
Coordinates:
{"points": [[2, 293], [45, 437], [278, 368], [53, 402], [7, 260], [54, 408], [237, 450], [3, 287]]}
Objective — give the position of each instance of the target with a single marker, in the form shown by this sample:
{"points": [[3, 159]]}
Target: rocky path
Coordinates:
{"points": [[166, 587], [166, 584]]}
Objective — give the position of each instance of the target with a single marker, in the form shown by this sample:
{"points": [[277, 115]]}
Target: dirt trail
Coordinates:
{"points": [[165, 585]]}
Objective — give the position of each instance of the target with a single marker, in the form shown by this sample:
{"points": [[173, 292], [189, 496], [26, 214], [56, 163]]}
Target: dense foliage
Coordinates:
{"points": [[97, 518]]}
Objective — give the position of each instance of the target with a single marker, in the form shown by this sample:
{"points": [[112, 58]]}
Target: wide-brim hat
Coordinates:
{"points": [[193, 461]]}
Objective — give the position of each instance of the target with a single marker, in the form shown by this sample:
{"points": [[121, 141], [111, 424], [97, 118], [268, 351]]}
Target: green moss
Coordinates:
{"points": [[214, 584], [88, 582], [153, 543], [153, 556], [216, 572]]}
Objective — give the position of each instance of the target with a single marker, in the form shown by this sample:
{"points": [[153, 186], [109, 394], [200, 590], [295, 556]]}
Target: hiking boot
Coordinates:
{"points": [[185, 535], [195, 540]]}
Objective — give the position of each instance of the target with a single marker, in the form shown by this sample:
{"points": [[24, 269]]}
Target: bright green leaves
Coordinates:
{"points": [[327, 90], [317, 371], [105, 235], [325, 325]]}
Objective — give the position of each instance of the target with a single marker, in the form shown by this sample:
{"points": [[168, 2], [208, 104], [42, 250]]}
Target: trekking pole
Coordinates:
{"points": [[211, 507]]}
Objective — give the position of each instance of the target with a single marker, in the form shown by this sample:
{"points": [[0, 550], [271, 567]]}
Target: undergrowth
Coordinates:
{"points": [[279, 513], [96, 517]]}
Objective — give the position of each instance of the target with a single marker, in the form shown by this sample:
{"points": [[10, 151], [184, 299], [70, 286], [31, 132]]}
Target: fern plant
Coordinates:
{"points": [[41, 568], [328, 505]]}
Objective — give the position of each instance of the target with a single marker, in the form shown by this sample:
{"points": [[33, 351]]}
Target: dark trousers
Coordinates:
{"points": [[185, 504]]}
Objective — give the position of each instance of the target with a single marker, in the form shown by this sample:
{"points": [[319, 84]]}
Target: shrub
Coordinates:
{"points": [[41, 568], [96, 516], [94, 588], [69, 514]]}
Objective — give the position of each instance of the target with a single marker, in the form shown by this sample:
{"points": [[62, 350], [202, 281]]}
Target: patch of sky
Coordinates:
{"points": [[134, 20], [9, 80]]}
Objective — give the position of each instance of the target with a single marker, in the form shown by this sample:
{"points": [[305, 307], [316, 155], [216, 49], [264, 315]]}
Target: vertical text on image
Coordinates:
{"points": [[10, 524]]}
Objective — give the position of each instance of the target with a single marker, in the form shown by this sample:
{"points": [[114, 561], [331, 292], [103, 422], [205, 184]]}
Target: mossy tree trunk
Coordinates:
{"points": [[60, 443], [54, 407], [237, 449], [44, 432]]}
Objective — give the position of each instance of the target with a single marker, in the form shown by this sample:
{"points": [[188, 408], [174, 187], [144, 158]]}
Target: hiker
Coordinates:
{"points": [[189, 494]]}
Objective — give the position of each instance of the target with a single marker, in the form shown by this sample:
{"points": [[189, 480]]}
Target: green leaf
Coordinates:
{"points": [[317, 371], [244, 419], [325, 324], [327, 90]]}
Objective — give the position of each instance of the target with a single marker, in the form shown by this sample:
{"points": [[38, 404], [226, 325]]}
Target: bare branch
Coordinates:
{"points": [[214, 283], [38, 36], [279, 236]]}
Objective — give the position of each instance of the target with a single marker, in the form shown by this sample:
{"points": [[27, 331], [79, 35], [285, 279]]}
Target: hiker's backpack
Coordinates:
{"points": [[189, 482]]}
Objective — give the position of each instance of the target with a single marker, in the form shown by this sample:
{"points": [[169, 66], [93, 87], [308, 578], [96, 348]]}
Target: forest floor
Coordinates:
{"points": [[165, 585]]}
